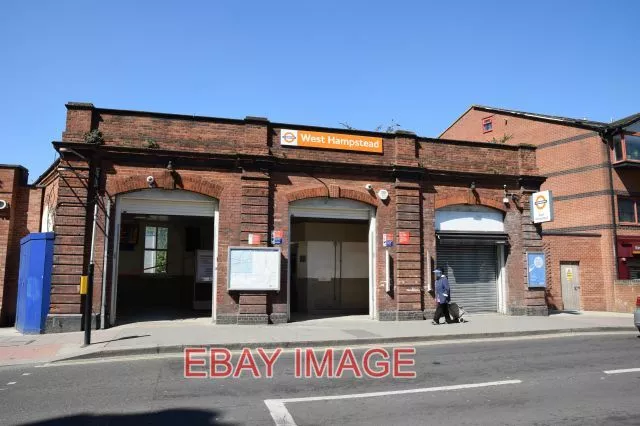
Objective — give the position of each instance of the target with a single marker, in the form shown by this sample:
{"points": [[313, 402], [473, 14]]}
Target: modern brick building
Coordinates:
{"points": [[593, 243], [171, 194]]}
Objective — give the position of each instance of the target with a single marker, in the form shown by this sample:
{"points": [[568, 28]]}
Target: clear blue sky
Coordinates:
{"points": [[420, 63]]}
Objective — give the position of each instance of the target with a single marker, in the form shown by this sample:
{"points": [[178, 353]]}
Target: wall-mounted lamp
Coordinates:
{"points": [[509, 196], [473, 186]]}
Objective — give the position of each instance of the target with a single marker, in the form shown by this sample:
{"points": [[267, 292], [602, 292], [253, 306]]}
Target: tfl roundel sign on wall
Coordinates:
{"points": [[542, 207]]}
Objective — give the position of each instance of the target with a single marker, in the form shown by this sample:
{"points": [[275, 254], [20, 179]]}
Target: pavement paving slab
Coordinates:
{"points": [[152, 337]]}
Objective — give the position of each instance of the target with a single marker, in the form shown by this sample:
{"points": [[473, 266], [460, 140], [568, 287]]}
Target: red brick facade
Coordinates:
{"points": [[241, 164], [575, 158], [19, 218]]}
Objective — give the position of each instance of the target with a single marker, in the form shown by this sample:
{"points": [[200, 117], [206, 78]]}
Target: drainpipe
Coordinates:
{"points": [[103, 301], [605, 138]]}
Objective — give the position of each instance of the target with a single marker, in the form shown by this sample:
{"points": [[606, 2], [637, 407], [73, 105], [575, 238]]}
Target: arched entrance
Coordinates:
{"points": [[331, 257], [164, 257], [471, 250]]}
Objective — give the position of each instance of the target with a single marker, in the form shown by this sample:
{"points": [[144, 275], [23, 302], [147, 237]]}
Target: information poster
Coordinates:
{"points": [[536, 270]]}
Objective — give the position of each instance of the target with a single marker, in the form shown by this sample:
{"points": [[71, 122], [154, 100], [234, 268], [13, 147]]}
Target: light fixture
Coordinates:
{"points": [[473, 186], [383, 194], [509, 196], [368, 187], [64, 149]]}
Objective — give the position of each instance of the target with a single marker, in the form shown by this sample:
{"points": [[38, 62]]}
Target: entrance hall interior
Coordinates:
{"points": [[157, 267], [329, 267]]}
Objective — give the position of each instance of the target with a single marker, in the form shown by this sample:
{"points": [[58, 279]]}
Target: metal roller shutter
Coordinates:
{"points": [[472, 273], [165, 202]]}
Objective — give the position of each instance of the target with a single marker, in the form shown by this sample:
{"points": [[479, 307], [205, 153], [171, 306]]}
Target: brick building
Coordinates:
{"points": [[168, 191], [19, 215], [593, 243]]}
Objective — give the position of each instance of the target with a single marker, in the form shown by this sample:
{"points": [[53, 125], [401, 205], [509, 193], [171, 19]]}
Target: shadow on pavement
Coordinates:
{"points": [[122, 338], [166, 417], [564, 312]]}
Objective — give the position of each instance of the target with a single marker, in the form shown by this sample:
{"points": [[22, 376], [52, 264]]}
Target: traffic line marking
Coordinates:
{"points": [[626, 370], [11, 383], [26, 374], [282, 417]]}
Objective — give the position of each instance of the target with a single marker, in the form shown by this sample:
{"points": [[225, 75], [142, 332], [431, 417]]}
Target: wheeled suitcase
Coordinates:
{"points": [[456, 312]]}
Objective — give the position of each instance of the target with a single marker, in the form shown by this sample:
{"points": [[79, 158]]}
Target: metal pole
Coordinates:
{"points": [[103, 302], [88, 305], [87, 308]]}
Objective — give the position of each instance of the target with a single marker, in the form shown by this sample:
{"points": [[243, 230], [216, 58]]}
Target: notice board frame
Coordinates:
{"points": [[535, 281], [253, 249]]}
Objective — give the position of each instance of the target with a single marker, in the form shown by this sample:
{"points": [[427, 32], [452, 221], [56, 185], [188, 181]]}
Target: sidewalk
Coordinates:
{"points": [[172, 336]]}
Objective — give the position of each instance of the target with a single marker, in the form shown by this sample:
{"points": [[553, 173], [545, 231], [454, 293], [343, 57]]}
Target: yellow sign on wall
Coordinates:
{"points": [[569, 274], [304, 138]]}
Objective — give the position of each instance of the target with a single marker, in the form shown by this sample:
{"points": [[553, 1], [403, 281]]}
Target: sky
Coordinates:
{"points": [[366, 63]]}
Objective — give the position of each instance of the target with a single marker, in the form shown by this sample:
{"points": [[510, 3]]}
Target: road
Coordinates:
{"points": [[541, 381]]}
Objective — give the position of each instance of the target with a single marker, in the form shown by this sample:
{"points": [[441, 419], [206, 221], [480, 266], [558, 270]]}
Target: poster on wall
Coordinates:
{"points": [[536, 270], [204, 266], [254, 268], [404, 237]]}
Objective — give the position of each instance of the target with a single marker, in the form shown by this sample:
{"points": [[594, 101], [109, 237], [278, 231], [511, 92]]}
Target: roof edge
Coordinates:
{"points": [[457, 119]]}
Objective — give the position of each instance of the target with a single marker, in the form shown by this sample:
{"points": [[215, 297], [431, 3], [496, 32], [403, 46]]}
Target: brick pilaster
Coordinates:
{"points": [[534, 302], [71, 232], [254, 219], [408, 261]]}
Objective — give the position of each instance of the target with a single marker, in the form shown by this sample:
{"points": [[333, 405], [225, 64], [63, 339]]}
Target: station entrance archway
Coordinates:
{"points": [[164, 257], [331, 257]]}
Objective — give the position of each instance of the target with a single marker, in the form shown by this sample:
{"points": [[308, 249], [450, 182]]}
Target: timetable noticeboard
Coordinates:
{"points": [[254, 268]]}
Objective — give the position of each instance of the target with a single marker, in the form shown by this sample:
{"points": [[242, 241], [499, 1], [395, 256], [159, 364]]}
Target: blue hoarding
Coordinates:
{"points": [[536, 270]]}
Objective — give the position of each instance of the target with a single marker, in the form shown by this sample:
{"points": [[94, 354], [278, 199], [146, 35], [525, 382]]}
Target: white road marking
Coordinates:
{"points": [[11, 383], [626, 370], [26, 374], [282, 417]]}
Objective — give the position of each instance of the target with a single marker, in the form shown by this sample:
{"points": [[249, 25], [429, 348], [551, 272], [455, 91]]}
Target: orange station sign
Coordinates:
{"points": [[339, 141]]}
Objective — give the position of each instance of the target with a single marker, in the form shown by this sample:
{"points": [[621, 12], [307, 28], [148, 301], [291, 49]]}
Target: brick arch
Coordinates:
{"points": [[470, 200], [123, 184], [332, 191]]}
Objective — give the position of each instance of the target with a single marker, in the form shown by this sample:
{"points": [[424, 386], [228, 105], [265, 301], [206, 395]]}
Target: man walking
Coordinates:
{"points": [[443, 296]]}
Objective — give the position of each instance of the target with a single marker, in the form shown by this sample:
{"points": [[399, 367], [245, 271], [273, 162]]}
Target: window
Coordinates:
{"points": [[634, 269], [626, 147], [156, 240], [617, 146], [627, 210], [487, 125], [633, 147]]}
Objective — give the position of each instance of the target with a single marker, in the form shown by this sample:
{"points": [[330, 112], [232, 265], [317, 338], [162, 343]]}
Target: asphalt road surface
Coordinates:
{"points": [[567, 380]]}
